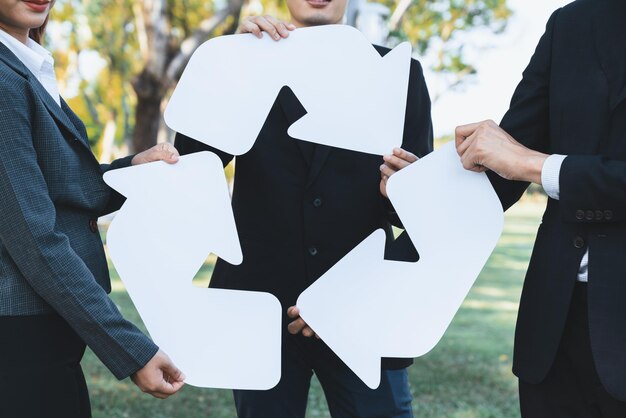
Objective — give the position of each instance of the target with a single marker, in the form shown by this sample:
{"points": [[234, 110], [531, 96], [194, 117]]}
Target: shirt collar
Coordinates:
{"points": [[32, 55]]}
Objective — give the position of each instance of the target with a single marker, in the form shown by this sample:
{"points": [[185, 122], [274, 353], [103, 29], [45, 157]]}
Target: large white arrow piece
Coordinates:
{"points": [[354, 98], [366, 308], [202, 330]]}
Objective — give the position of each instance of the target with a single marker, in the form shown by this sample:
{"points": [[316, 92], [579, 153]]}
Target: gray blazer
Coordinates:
{"points": [[51, 194]]}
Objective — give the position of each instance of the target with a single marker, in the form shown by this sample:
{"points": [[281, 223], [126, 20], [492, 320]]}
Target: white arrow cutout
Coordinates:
{"points": [[175, 216], [366, 308], [354, 98]]}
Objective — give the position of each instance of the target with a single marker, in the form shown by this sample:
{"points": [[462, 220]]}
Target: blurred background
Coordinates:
{"points": [[118, 62]]}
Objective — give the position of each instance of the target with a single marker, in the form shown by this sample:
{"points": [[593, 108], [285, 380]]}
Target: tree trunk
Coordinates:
{"points": [[148, 111]]}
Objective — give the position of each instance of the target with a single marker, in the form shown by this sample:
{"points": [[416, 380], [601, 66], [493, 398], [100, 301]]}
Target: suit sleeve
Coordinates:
{"points": [[527, 119], [186, 145], [592, 184], [116, 200], [44, 255]]}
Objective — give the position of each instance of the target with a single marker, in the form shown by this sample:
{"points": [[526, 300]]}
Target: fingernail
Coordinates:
{"points": [[382, 167], [277, 36]]}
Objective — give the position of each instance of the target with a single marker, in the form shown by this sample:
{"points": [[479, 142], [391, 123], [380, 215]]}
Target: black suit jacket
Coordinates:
{"points": [[301, 207], [572, 101]]}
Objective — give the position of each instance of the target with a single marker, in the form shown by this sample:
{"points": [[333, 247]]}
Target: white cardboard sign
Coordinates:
{"points": [[175, 216], [364, 307], [354, 98]]}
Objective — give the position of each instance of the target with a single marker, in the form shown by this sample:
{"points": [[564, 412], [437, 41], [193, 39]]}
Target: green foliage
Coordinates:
{"points": [[118, 30], [443, 22]]}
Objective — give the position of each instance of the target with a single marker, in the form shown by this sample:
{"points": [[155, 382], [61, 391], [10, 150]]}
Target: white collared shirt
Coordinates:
{"points": [[37, 59]]}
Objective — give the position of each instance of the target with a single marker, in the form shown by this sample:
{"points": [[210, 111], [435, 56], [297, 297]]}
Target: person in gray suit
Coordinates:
{"points": [[53, 272]]}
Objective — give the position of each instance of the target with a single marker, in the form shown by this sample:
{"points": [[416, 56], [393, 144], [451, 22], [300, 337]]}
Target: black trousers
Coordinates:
{"points": [[572, 388], [40, 373]]}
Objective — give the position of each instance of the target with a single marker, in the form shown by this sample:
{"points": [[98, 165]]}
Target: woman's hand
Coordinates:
{"points": [[161, 152], [275, 28], [159, 377]]}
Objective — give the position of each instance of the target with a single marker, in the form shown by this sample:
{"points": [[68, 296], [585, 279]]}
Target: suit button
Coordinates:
{"points": [[93, 225], [580, 215], [579, 242], [608, 215], [313, 251], [589, 215], [317, 202], [599, 215]]}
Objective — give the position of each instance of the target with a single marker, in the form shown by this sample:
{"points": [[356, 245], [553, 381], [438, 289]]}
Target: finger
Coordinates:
{"points": [[462, 148], [308, 332], [280, 26], [250, 27], [172, 373], [383, 185], [168, 156], [395, 162], [293, 312], [471, 161], [387, 171], [170, 153], [405, 155], [463, 131], [268, 27], [296, 326]]}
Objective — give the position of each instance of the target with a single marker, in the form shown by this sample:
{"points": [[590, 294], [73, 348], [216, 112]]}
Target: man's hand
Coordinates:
{"points": [[275, 28], [485, 145], [161, 152], [159, 377], [298, 325], [394, 162]]}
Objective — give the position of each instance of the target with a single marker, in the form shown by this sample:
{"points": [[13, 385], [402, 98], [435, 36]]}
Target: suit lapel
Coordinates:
{"points": [[319, 159], [56, 111], [315, 155], [293, 110], [78, 124], [53, 108]]}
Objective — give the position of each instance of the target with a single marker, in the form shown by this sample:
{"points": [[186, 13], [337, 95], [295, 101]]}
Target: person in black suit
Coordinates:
{"points": [[301, 207], [54, 277], [566, 130]]}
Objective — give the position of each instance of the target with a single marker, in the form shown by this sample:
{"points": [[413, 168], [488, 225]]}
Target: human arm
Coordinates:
{"points": [[525, 125], [417, 139], [160, 152], [44, 255]]}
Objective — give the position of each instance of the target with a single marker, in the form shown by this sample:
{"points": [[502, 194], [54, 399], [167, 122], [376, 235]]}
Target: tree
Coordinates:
{"points": [[145, 46]]}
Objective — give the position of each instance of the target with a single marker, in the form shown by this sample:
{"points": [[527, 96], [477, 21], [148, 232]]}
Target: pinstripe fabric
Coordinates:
{"points": [[51, 189]]}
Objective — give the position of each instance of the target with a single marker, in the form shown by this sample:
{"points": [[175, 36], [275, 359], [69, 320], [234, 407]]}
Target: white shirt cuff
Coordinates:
{"points": [[550, 175]]}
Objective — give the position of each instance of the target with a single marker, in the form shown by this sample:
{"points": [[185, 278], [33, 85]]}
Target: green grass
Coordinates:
{"points": [[468, 375]]}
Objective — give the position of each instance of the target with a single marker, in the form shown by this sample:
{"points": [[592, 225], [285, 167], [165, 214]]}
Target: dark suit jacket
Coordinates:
{"points": [[572, 101], [51, 194], [301, 207]]}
